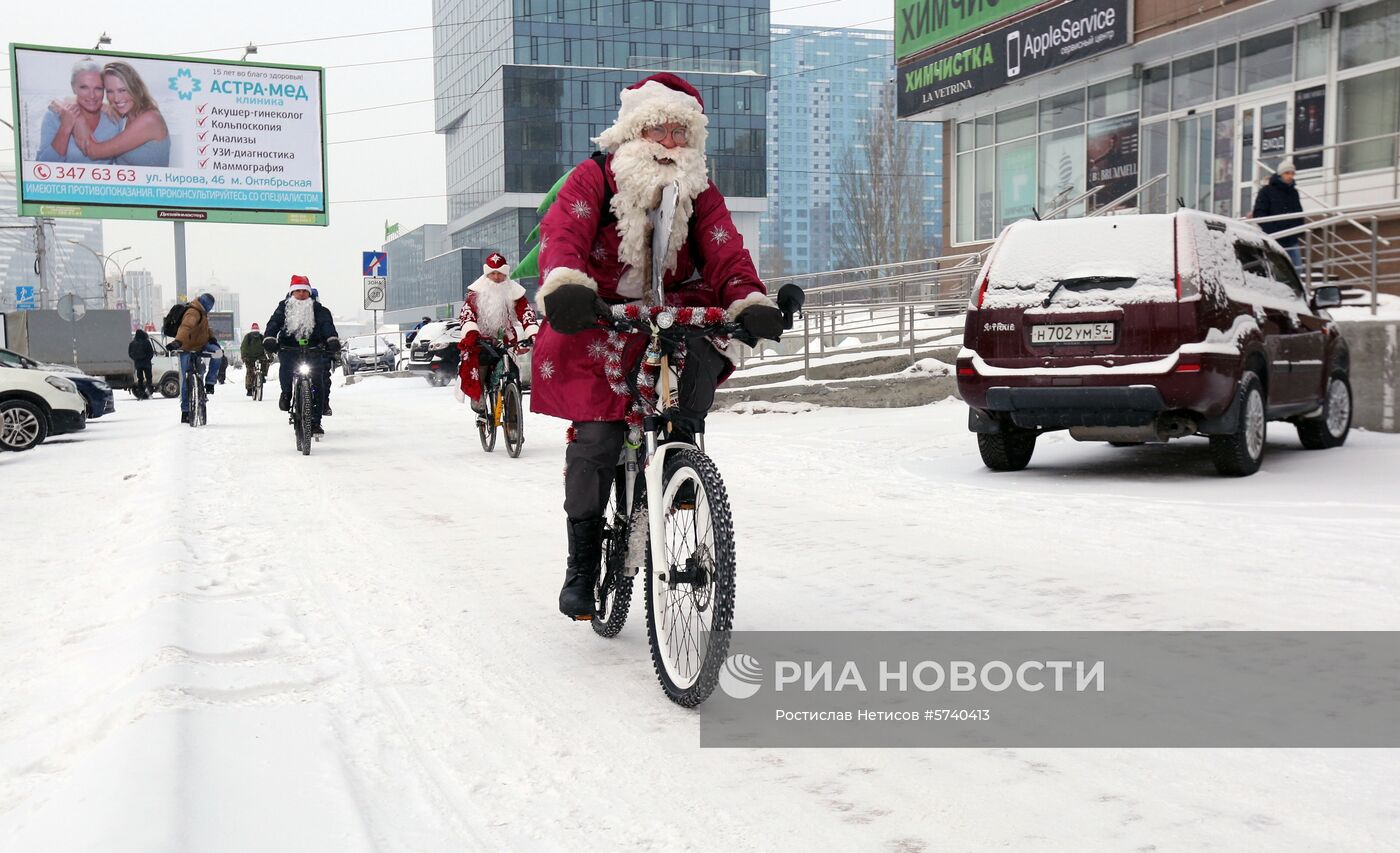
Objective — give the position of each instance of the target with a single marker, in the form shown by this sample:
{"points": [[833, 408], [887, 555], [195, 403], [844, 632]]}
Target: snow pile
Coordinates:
{"points": [[760, 407], [1032, 257], [1387, 308], [928, 367]]}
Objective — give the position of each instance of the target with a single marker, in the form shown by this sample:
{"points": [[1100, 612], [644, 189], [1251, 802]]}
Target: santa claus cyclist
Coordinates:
{"points": [[495, 314], [595, 251]]}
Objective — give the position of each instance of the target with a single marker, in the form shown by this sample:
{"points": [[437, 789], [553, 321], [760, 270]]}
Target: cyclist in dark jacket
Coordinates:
{"points": [[139, 351], [1278, 197], [299, 322]]}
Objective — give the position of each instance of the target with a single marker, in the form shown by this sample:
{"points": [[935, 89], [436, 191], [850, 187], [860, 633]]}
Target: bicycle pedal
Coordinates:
{"points": [[588, 617]]}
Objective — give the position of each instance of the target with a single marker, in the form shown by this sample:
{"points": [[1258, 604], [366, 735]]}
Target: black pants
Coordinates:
{"points": [[143, 376], [289, 358], [591, 458]]}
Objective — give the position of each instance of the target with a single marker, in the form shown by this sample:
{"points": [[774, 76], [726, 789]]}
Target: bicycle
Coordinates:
{"points": [[669, 513], [193, 376], [302, 414], [259, 378], [502, 391]]}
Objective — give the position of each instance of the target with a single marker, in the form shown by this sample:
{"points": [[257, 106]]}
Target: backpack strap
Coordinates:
{"points": [[606, 216]]}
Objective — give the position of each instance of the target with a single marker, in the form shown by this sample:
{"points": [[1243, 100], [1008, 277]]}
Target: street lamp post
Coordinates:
{"points": [[102, 261], [121, 273]]}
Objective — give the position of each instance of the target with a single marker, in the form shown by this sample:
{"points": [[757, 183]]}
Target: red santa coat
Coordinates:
{"points": [[479, 320], [581, 377]]}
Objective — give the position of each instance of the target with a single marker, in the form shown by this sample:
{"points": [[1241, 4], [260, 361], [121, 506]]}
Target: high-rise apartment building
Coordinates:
{"points": [[72, 268], [826, 87], [524, 85]]}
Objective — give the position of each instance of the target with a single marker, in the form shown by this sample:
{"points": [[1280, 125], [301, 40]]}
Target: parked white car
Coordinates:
{"points": [[35, 404]]}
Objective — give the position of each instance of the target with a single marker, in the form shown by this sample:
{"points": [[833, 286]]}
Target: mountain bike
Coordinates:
{"points": [[305, 374], [669, 513], [502, 391], [193, 377]]}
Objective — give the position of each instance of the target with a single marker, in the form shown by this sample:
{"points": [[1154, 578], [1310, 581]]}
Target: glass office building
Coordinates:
{"points": [[824, 85], [523, 86]]}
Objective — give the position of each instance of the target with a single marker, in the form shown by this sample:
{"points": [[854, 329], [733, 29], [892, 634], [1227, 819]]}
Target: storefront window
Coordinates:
{"points": [[1154, 139], [1369, 107], [1226, 72], [984, 131], [1113, 97], [1312, 50], [1016, 184], [1062, 110], [1370, 33], [986, 198], [967, 196], [1266, 61], [1062, 171], [966, 141], [1156, 90], [1193, 80], [1015, 123]]}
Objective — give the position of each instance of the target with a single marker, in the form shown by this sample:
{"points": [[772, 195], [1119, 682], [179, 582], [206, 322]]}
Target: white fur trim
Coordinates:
{"points": [[654, 103], [530, 331], [560, 276], [755, 298], [504, 270], [470, 327]]}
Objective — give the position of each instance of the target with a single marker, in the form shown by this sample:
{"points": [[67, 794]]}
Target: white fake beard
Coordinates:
{"points": [[301, 317], [495, 310], [640, 179]]}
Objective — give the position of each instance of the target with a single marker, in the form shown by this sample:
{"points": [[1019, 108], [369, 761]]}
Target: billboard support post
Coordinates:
{"points": [[180, 294], [41, 260]]}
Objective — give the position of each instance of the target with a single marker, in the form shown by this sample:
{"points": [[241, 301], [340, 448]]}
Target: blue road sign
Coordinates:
{"points": [[376, 264], [24, 297]]}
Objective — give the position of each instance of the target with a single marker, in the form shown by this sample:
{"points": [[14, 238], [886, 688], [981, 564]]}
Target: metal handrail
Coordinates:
{"points": [[1071, 203], [1140, 188]]}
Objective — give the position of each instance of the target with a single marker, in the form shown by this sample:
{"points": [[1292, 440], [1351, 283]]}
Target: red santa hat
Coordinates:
{"points": [[658, 99], [299, 282], [255, 327], [496, 262]]}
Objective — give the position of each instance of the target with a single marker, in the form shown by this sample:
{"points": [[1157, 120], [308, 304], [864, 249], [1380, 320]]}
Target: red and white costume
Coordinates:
{"points": [[497, 311], [581, 377]]}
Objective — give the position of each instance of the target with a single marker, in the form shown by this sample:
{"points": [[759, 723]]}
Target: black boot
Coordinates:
{"points": [[284, 402], [585, 557]]}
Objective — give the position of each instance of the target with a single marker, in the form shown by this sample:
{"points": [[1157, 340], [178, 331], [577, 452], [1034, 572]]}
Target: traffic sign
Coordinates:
{"points": [[71, 307], [376, 293], [24, 297], [376, 264]]}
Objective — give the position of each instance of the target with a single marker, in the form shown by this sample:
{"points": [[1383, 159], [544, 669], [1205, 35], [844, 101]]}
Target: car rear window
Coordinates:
{"points": [[1111, 260]]}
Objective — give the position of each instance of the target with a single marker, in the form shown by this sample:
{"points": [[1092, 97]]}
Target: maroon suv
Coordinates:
{"points": [[1134, 329]]}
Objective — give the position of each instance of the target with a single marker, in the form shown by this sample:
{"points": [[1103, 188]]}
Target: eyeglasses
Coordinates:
{"points": [[657, 133]]}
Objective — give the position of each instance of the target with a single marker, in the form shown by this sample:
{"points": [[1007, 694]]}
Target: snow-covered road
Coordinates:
{"points": [[210, 643]]}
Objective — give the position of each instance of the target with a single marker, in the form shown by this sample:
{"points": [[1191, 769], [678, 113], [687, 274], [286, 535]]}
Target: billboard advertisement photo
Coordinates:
{"points": [[107, 135]]}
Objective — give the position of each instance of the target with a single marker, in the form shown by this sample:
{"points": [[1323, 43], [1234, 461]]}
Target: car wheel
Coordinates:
{"points": [[1239, 453], [1330, 429], [170, 386], [1009, 450], [23, 425]]}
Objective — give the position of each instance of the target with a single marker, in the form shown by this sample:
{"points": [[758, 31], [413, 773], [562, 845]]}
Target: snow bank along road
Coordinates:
{"points": [[210, 643]]}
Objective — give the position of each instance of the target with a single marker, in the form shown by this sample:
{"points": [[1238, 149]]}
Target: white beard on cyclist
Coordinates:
{"points": [[642, 169], [495, 307], [301, 317]]}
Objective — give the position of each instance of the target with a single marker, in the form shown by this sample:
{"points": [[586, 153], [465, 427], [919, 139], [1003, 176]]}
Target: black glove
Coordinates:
{"points": [[270, 345], [172, 346], [332, 345], [762, 321], [572, 308]]}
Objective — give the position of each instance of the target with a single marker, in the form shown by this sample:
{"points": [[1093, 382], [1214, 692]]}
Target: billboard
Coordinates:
{"points": [[922, 24], [106, 135], [221, 327], [1067, 33]]}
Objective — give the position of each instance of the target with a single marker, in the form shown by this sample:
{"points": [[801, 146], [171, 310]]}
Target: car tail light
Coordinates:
{"points": [[982, 291], [1188, 364], [965, 368]]}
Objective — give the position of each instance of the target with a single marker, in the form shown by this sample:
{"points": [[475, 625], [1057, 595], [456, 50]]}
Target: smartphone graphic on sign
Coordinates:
{"points": [[1013, 53]]}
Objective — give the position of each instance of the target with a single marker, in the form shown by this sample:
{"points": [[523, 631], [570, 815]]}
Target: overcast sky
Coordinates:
{"points": [[257, 260]]}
